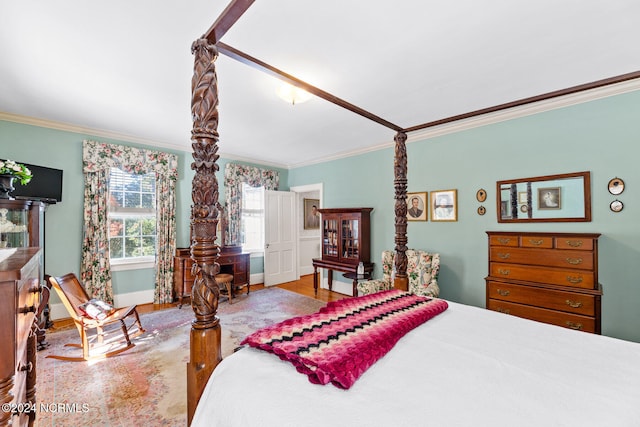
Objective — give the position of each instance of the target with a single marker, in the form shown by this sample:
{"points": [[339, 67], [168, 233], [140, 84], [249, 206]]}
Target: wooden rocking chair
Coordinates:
{"points": [[73, 296]]}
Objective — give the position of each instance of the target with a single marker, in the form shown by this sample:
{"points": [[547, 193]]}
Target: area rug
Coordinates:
{"points": [[146, 385]]}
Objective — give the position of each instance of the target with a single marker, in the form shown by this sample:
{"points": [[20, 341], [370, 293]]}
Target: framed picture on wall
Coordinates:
{"points": [[417, 206], [549, 198], [311, 218], [444, 205]]}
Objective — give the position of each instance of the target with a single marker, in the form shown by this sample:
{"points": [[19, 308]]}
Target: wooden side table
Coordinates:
{"points": [[356, 278]]}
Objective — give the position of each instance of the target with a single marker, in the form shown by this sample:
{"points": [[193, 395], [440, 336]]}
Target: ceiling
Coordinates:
{"points": [[123, 68]]}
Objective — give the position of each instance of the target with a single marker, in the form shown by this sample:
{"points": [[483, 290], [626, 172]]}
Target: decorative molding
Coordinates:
{"points": [[495, 117], [67, 127], [448, 128]]}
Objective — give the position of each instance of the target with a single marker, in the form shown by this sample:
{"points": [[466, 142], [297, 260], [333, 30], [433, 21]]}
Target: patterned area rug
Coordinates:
{"points": [[146, 385]]}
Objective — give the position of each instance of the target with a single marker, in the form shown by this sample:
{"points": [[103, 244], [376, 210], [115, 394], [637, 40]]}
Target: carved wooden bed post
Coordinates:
{"points": [[205, 351], [400, 183]]}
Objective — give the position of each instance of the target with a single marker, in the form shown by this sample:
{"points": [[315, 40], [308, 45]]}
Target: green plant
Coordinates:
{"points": [[20, 171]]}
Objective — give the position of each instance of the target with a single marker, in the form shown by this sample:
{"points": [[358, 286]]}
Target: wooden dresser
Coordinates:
{"points": [[19, 298], [232, 261], [548, 277]]}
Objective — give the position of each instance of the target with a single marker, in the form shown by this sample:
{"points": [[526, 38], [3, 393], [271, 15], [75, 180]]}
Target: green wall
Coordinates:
{"points": [[63, 221], [599, 136]]}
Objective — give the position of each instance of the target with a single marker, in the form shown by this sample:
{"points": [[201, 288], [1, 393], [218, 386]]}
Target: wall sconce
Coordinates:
{"points": [[292, 94]]}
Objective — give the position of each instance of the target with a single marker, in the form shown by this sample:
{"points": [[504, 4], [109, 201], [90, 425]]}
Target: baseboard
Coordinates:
{"points": [[256, 278], [58, 311]]}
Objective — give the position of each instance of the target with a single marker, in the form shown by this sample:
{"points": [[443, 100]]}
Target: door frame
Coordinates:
{"points": [[304, 189]]}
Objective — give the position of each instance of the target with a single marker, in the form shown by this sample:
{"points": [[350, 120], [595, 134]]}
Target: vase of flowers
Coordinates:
{"points": [[9, 171]]}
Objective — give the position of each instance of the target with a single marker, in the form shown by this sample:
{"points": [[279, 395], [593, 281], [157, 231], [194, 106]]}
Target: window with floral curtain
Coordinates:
{"points": [[234, 175], [98, 158]]}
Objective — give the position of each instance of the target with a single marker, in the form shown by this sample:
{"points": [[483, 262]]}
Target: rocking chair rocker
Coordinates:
{"points": [[73, 296]]}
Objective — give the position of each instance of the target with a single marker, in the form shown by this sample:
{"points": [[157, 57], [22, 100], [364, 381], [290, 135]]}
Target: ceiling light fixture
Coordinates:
{"points": [[293, 94]]}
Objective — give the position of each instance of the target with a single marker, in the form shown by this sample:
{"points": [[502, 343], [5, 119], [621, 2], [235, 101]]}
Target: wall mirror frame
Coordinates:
{"points": [[551, 198]]}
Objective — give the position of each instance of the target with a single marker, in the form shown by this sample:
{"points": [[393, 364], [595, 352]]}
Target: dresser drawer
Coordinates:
{"points": [[567, 320], [536, 242], [571, 278], [576, 243], [547, 257], [571, 302], [504, 240]]}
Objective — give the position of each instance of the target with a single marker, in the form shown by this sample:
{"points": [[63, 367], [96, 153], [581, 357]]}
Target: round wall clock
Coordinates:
{"points": [[524, 208], [481, 195], [616, 206], [616, 186], [481, 210]]}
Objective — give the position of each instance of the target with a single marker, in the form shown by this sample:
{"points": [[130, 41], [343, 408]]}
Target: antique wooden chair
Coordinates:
{"points": [[73, 296]]}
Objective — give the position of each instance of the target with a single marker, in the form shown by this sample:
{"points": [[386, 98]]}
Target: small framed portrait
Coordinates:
{"points": [[522, 197], [549, 198], [417, 206], [311, 215], [444, 205]]}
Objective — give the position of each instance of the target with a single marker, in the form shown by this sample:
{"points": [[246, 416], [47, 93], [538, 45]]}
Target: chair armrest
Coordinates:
{"points": [[428, 290], [372, 286]]}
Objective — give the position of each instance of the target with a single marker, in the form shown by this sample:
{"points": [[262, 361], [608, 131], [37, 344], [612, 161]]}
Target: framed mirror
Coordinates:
{"points": [[552, 198]]}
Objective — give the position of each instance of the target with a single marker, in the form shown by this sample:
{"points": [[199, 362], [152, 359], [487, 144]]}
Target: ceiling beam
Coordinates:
{"points": [[264, 67], [562, 92], [227, 18]]}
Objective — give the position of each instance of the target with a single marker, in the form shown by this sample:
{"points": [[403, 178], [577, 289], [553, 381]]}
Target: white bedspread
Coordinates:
{"points": [[465, 367]]}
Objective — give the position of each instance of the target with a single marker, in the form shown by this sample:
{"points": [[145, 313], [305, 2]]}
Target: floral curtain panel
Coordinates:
{"points": [[97, 159], [234, 175]]}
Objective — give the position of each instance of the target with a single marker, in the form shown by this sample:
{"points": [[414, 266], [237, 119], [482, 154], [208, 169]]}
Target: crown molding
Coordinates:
{"points": [[432, 132], [86, 131], [526, 110]]}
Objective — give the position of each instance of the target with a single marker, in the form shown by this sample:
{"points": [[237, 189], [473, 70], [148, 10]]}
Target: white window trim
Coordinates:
{"points": [[138, 263]]}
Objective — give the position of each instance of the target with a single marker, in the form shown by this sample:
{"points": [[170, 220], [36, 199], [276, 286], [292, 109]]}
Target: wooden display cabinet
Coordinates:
{"points": [[345, 242]]}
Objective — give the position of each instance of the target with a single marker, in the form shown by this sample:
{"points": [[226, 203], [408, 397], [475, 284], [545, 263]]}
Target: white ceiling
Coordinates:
{"points": [[124, 67]]}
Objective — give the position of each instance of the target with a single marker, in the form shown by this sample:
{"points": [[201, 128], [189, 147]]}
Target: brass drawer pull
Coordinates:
{"points": [[28, 367], [574, 243], [504, 240], [574, 261], [504, 310], [505, 272], [536, 242], [574, 280], [572, 325], [27, 309], [504, 256], [502, 292], [574, 304]]}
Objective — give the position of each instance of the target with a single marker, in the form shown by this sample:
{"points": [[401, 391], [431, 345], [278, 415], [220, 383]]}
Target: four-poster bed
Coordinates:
{"points": [[465, 358]]}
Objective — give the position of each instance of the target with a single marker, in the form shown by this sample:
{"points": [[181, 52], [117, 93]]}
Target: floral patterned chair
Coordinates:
{"points": [[422, 269]]}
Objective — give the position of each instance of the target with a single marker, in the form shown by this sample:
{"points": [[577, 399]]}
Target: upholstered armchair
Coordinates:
{"points": [[422, 269]]}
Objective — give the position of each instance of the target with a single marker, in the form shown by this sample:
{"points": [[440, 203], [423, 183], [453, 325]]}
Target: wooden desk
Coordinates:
{"points": [[231, 262], [342, 267]]}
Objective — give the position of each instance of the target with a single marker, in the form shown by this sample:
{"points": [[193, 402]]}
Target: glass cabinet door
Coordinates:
{"points": [[330, 237], [14, 229], [350, 239]]}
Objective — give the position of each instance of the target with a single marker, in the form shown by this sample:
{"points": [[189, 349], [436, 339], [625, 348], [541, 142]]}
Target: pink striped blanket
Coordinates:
{"points": [[342, 340]]}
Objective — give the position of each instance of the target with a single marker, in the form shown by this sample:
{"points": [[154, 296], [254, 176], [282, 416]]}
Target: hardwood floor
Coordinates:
{"points": [[304, 286]]}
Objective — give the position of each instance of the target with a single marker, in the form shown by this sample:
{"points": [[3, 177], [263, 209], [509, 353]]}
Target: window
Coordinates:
{"points": [[132, 217], [252, 218]]}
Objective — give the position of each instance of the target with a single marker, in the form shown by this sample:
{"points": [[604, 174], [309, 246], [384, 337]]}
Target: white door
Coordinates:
{"points": [[280, 256]]}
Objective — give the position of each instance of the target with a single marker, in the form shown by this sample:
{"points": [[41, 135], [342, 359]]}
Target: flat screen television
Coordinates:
{"points": [[46, 185]]}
